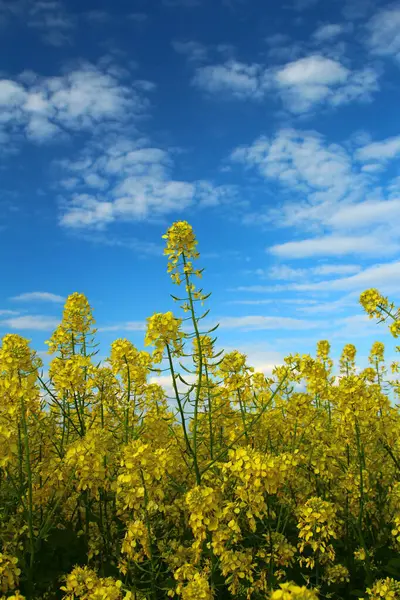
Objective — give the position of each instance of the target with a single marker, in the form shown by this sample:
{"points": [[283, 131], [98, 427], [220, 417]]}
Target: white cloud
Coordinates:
{"points": [[46, 107], [236, 78], [302, 161], [30, 322], [335, 245], [301, 84], [38, 297], [6, 313], [312, 70], [136, 184], [365, 214], [384, 276], [315, 79], [262, 322], [327, 188], [336, 269], [332, 307], [127, 326], [330, 31], [384, 32], [380, 151], [284, 272]]}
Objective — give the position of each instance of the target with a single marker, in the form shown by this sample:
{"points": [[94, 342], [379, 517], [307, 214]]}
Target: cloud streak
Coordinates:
{"points": [[38, 297]]}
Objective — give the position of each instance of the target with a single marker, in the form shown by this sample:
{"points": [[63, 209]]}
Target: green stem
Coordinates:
{"points": [[183, 420]]}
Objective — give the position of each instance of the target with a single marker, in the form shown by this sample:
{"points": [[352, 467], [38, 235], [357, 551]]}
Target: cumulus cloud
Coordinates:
{"points": [[301, 84], [136, 185], [304, 162], [43, 108], [309, 81]]}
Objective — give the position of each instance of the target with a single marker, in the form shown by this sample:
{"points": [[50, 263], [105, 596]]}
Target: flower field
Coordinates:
{"points": [[243, 487]]}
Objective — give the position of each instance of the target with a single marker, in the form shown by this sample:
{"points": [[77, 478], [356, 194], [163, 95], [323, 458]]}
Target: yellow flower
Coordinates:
{"points": [[291, 591]]}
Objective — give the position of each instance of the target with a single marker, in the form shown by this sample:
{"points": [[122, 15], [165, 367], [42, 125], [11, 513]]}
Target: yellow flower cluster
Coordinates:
{"points": [[317, 526], [75, 328], [85, 584], [142, 473], [85, 458], [376, 305], [9, 573], [388, 588], [291, 591], [164, 330], [337, 574], [133, 365], [74, 374], [181, 242]]}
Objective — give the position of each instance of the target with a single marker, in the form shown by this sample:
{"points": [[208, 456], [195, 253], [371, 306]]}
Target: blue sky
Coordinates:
{"points": [[272, 128]]}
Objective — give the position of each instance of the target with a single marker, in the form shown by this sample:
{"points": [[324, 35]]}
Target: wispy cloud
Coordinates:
{"points": [[194, 51], [335, 245], [326, 208], [240, 80], [384, 276], [304, 162], [285, 272], [125, 326], [38, 297], [378, 152], [140, 247], [331, 31], [384, 32], [30, 323], [249, 323], [52, 20]]}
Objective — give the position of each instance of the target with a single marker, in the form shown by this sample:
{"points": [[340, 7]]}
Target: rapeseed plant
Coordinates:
{"points": [[243, 488]]}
